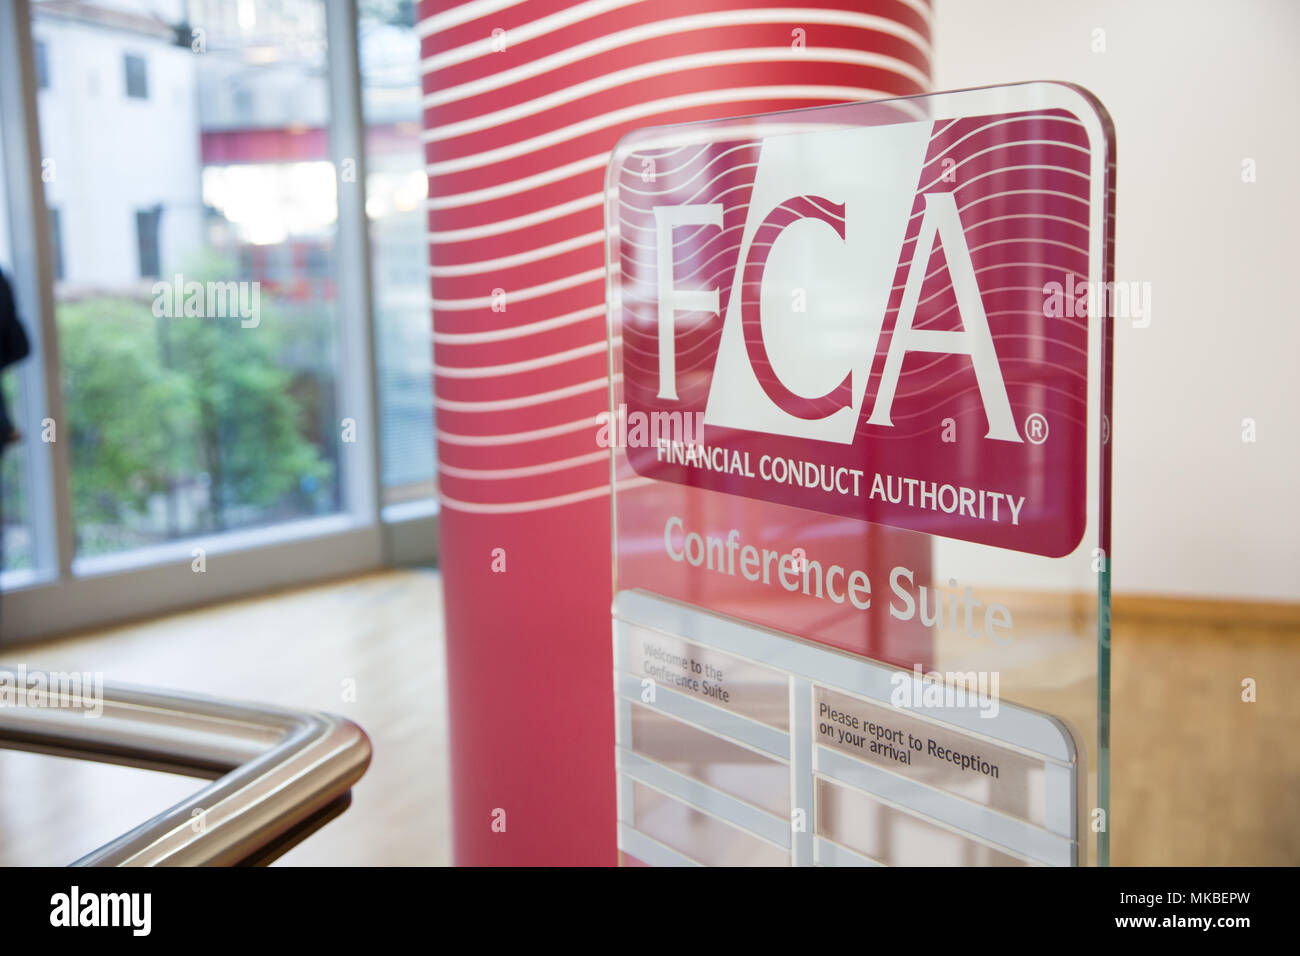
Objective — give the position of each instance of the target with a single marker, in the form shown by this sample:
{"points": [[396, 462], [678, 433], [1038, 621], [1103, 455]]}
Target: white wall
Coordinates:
{"points": [[1193, 89]]}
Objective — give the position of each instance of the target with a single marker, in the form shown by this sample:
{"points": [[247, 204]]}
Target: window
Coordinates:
{"points": [[137, 82], [56, 243], [42, 66], [204, 402], [146, 241], [212, 389]]}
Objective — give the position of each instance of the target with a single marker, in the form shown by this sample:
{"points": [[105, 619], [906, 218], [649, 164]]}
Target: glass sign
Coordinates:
{"points": [[860, 437]]}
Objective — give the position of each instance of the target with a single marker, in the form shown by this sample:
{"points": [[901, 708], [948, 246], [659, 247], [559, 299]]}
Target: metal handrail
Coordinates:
{"points": [[276, 770]]}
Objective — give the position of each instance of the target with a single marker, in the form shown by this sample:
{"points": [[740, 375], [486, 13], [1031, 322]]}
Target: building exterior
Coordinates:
{"points": [[113, 75]]}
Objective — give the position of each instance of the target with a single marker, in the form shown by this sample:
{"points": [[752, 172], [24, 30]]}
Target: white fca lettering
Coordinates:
{"points": [[939, 219], [671, 299], [974, 340]]}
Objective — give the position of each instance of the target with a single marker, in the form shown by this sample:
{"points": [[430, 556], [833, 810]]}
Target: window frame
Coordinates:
{"points": [[142, 75], [41, 52], [56, 242], [63, 592], [148, 225]]}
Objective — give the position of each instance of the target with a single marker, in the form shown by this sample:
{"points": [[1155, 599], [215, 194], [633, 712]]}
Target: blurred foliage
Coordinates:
{"points": [[123, 410], [153, 401]]}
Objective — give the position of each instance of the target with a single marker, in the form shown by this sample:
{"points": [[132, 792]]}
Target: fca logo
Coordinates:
{"points": [[812, 384]]}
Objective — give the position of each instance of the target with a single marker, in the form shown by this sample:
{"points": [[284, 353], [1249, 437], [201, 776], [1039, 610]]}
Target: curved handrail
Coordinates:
{"points": [[275, 769]]}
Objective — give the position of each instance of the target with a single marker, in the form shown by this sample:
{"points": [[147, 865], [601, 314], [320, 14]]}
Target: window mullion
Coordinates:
{"points": [[44, 430], [358, 394]]}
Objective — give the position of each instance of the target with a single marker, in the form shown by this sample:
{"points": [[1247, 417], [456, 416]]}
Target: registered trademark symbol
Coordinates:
{"points": [[1036, 428]]}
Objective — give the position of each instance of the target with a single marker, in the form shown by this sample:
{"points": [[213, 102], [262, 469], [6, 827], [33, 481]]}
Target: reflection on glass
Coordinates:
{"points": [[396, 188], [753, 777], [887, 835], [699, 836], [186, 151]]}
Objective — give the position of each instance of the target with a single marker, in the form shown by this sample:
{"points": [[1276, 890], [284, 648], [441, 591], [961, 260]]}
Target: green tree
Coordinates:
{"points": [[150, 401], [122, 408], [249, 426]]}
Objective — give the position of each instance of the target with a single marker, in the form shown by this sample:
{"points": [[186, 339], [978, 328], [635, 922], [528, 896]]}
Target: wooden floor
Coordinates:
{"points": [[1199, 777]]}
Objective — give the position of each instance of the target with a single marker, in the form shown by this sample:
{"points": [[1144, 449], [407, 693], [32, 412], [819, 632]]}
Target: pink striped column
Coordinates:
{"points": [[523, 102]]}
